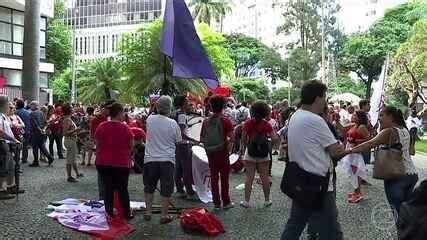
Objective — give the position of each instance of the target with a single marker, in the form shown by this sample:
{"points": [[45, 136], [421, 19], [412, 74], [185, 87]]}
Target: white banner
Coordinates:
{"points": [[201, 174], [377, 98]]}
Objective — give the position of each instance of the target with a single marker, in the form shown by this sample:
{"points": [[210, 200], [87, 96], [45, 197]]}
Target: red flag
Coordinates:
{"points": [[2, 81]]}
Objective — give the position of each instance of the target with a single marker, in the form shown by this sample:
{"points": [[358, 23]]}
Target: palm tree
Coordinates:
{"points": [[98, 80], [31, 58], [206, 10]]}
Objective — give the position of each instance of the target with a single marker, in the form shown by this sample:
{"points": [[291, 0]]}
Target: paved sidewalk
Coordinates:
{"points": [[25, 217]]}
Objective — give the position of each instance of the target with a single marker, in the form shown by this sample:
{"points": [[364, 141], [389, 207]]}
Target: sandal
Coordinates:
{"points": [[166, 219]]}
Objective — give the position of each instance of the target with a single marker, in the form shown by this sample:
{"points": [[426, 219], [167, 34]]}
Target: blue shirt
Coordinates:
{"points": [[25, 117]]}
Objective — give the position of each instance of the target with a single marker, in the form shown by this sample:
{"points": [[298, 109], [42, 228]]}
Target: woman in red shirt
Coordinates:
{"points": [[255, 148], [113, 146]]}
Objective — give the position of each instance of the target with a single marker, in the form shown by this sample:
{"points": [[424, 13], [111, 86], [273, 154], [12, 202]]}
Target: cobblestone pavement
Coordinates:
{"points": [[25, 217]]}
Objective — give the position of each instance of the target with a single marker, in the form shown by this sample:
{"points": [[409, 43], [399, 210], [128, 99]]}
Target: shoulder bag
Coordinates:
{"points": [[389, 161]]}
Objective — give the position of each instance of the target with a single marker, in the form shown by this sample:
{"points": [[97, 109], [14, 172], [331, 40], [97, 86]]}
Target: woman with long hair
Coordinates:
{"points": [[54, 131], [353, 163], [394, 131], [254, 150]]}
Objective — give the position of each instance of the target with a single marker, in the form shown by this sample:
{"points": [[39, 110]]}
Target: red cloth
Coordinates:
{"points": [[353, 134], [96, 121], [201, 220], [138, 134], [261, 127], [54, 124], [223, 91], [113, 141]]}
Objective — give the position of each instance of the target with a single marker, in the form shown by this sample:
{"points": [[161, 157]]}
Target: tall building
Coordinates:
{"points": [[99, 24], [11, 47], [359, 15]]}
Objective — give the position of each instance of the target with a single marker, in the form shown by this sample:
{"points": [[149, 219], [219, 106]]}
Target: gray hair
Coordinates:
{"points": [[164, 105], [4, 101]]}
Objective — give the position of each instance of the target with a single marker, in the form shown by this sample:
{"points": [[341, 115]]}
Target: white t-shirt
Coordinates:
{"points": [[5, 125], [163, 134], [413, 122], [308, 137]]}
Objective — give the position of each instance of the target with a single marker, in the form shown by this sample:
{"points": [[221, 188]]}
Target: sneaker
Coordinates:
{"points": [[192, 197], [34, 165], [181, 195], [268, 203], [80, 175], [71, 180], [356, 198], [245, 204], [229, 206]]}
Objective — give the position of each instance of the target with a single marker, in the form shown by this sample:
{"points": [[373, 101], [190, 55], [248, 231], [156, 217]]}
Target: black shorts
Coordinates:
{"points": [[155, 171]]}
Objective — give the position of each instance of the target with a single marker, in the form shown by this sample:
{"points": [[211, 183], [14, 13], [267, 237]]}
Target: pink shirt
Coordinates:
{"points": [[113, 141]]}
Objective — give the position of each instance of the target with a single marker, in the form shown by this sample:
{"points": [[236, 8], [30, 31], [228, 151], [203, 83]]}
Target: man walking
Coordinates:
{"points": [[38, 139], [310, 145]]}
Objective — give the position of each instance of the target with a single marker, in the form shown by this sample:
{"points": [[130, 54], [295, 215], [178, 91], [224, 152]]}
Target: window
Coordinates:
{"points": [[5, 31], [5, 47], [17, 49], [43, 23], [81, 45], [5, 14], [13, 77], [42, 53], [18, 34], [103, 44], [99, 44], [43, 80], [18, 18]]}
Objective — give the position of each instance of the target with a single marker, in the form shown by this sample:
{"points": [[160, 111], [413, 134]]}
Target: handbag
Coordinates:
{"points": [[305, 188], [389, 162]]}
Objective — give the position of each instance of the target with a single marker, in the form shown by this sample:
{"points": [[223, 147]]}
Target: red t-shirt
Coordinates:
{"points": [[138, 134], [113, 141], [96, 121], [261, 127], [54, 123]]}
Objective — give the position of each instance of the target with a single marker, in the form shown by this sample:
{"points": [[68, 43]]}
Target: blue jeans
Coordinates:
{"points": [[398, 190], [367, 157], [323, 221]]}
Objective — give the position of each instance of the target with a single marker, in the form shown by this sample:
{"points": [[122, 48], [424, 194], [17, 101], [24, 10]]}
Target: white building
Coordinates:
{"points": [[11, 46], [359, 15], [99, 24]]}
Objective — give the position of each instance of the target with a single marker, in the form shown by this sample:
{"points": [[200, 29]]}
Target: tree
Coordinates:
{"points": [[206, 10], [99, 80], [363, 55], [305, 18], [278, 95], [410, 64], [58, 43], [31, 58], [250, 54], [344, 84], [61, 85], [245, 89], [147, 70]]}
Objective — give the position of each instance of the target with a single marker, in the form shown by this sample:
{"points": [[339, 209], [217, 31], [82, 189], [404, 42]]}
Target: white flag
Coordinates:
{"points": [[377, 98]]}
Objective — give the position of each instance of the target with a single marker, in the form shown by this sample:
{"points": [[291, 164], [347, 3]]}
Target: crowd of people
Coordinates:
{"points": [[311, 138]]}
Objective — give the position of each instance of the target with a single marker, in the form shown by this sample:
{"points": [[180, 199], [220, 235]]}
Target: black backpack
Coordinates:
{"points": [[258, 145]]}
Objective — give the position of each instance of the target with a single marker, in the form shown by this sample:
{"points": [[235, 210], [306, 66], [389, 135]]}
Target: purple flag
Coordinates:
{"points": [[181, 43]]}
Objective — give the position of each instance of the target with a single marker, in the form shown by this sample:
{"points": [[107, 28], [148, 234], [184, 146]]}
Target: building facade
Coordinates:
{"points": [[99, 24], [359, 15], [11, 47]]}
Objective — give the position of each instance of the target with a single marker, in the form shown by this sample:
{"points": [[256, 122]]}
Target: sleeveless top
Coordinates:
{"points": [[71, 127], [404, 139]]}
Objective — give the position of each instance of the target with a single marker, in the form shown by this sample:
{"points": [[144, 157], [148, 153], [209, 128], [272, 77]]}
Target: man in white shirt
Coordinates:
{"points": [[310, 145], [163, 134]]}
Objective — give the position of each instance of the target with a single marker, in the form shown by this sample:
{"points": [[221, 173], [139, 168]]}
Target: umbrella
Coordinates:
{"points": [[346, 97]]}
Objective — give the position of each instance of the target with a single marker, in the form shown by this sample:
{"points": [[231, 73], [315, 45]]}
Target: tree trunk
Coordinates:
{"points": [[368, 87], [107, 93], [31, 58]]}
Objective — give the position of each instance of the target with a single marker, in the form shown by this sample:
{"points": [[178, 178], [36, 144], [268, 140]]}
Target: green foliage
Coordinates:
{"points": [[61, 85], [215, 45], [98, 81], [344, 84], [58, 43], [206, 10], [144, 65], [278, 95], [274, 66], [248, 90], [302, 66]]}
